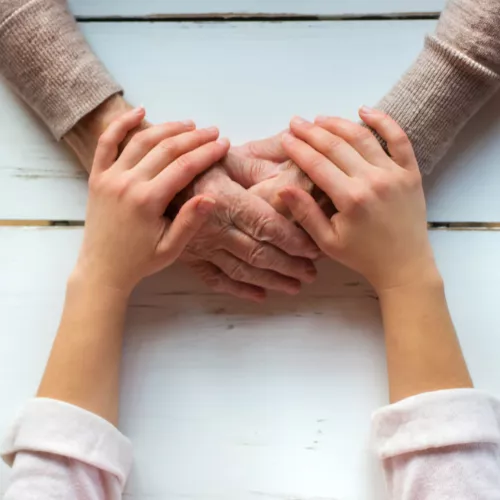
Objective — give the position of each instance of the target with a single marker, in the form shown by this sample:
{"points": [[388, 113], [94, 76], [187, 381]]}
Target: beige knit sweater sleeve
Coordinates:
{"points": [[455, 74], [47, 61]]}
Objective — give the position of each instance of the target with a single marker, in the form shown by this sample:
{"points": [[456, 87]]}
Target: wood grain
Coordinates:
{"points": [[224, 399]]}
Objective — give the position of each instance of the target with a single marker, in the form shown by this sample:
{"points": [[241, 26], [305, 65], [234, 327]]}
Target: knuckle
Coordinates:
{"points": [[188, 224], [106, 140], [263, 230], [168, 147], [381, 184], [303, 217], [236, 271], [257, 255], [316, 161], [120, 186], [359, 197], [399, 137], [333, 144], [185, 162], [213, 280], [360, 134], [142, 139], [140, 198]]}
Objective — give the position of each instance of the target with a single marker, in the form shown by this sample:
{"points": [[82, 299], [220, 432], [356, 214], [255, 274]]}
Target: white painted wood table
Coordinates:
{"points": [[223, 399]]}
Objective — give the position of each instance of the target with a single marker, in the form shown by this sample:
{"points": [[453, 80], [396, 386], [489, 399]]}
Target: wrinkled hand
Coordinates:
{"points": [[263, 166], [246, 247]]}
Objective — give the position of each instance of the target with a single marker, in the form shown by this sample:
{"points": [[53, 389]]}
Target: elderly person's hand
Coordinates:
{"points": [[245, 247], [248, 246]]}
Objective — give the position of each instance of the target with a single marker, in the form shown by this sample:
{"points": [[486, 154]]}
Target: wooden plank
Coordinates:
{"points": [[161, 8], [248, 78], [224, 399]]}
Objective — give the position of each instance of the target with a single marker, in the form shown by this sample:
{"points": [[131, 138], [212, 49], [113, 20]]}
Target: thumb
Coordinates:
{"points": [[270, 148], [255, 161], [248, 171], [185, 226]]}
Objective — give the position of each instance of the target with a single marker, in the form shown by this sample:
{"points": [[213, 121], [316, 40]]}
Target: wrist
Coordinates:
{"points": [[84, 284], [83, 137], [428, 280]]}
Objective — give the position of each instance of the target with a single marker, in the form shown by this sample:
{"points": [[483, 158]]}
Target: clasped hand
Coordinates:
{"points": [[228, 229]]}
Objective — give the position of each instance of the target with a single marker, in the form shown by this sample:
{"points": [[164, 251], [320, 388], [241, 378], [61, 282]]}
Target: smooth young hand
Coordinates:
{"points": [[380, 229], [126, 234]]}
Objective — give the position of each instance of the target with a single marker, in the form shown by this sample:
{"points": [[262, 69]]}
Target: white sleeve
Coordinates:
{"points": [[442, 445], [59, 451]]}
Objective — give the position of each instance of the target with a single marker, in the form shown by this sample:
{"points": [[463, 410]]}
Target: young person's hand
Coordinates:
{"points": [[126, 234], [380, 229]]}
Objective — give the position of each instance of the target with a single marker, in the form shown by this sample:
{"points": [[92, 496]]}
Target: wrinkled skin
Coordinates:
{"points": [[248, 246]]}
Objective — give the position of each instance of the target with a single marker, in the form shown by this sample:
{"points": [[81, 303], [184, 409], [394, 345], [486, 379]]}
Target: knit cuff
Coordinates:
{"points": [[436, 419], [436, 97], [46, 59], [51, 426]]}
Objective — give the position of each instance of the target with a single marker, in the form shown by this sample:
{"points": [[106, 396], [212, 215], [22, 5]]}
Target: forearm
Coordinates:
{"points": [[423, 352], [46, 59], [84, 365], [455, 74]]}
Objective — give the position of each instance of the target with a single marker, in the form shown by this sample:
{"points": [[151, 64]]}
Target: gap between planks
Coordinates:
{"points": [[433, 226], [221, 17]]}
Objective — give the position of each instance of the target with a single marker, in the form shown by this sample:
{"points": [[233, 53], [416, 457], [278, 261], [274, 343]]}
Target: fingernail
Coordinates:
{"points": [[298, 120], [212, 129], [321, 119], [139, 110], [205, 206], [188, 123], [224, 141], [366, 110], [288, 138]]}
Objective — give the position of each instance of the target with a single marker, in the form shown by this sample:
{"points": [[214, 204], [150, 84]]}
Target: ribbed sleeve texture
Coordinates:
{"points": [[47, 61], [455, 74]]}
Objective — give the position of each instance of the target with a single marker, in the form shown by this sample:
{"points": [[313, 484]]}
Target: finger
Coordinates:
{"points": [[310, 216], [359, 137], [238, 270], [145, 140], [265, 256], [290, 175], [168, 150], [338, 151], [330, 179], [110, 140], [398, 144], [215, 279], [188, 222], [261, 222], [270, 148], [182, 171], [248, 171]]}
